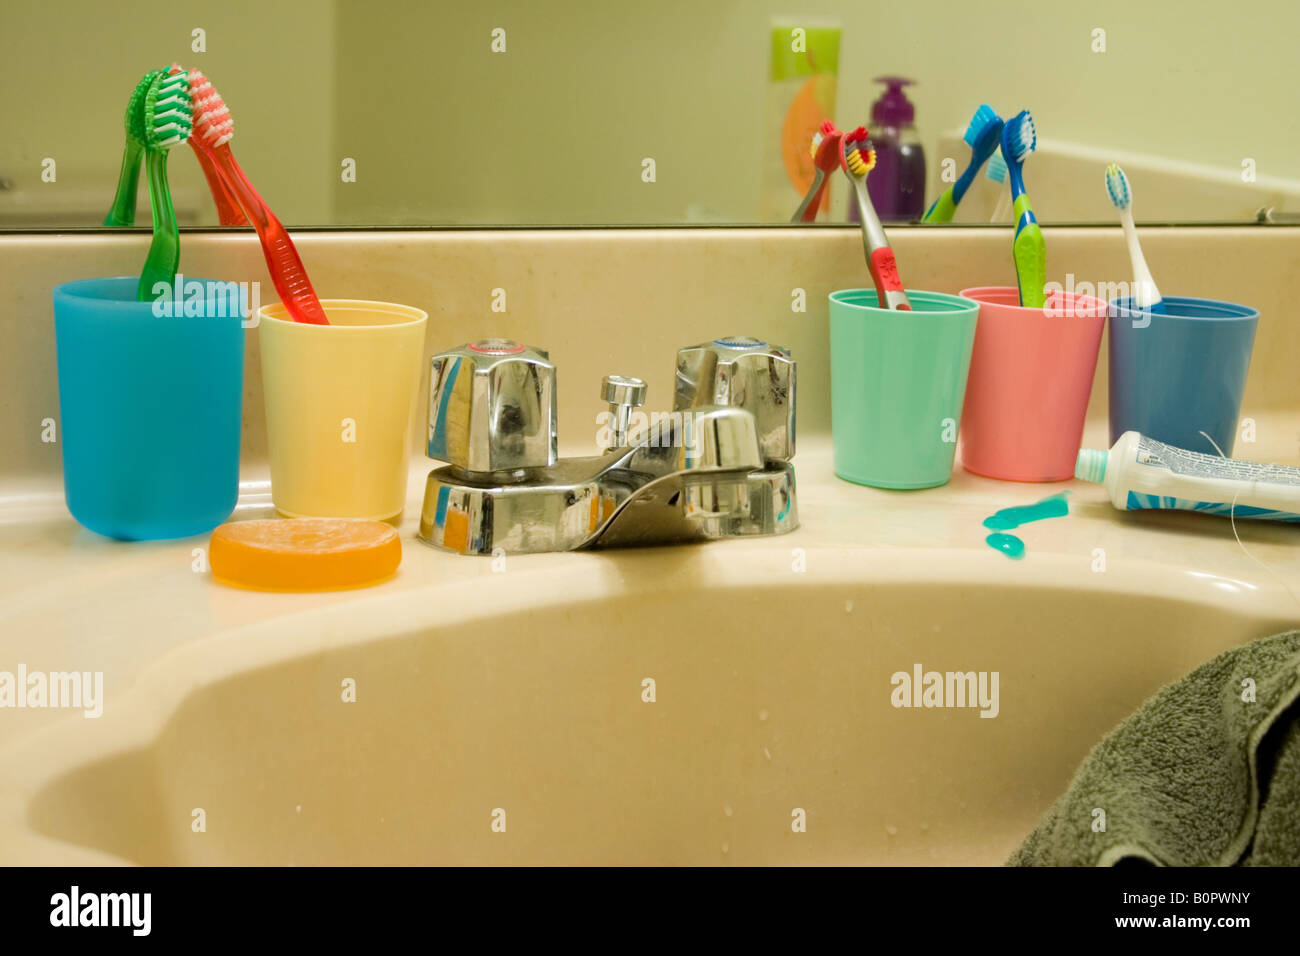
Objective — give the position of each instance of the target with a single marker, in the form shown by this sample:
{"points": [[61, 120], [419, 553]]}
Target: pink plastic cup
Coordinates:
{"points": [[1031, 374]]}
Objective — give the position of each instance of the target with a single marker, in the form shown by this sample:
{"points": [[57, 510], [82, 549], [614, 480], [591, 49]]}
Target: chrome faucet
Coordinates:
{"points": [[716, 466]]}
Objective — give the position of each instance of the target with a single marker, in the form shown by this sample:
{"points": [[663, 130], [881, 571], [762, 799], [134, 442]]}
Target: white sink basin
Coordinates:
{"points": [[523, 693]]}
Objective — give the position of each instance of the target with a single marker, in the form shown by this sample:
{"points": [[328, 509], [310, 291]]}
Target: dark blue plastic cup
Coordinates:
{"points": [[1179, 377], [150, 398]]}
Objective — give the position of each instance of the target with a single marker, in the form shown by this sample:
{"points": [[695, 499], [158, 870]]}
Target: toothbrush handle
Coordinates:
{"points": [[128, 182], [228, 211], [164, 250], [889, 287], [807, 210], [943, 208], [1145, 293], [967, 177], [880, 257], [1030, 255], [282, 260], [1016, 177], [1028, 251]]}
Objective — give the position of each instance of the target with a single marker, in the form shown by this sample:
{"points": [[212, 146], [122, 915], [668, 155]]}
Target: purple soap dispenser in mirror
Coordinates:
{"points": [[897, 184]]}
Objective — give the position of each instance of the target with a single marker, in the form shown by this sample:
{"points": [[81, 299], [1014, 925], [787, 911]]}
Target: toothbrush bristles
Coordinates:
{"points": [[1026, 137], [1117, 187], [997, 168], [979, 124], [169, 113], [212, 117], [860, 161]]}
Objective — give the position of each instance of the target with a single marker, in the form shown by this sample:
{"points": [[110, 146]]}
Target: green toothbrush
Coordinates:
{"points": [[128, 180], [167, 117]]}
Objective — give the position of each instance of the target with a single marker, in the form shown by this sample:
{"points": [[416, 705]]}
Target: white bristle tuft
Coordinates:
{"points": [[1117, 187], [171, 118], [997, 168], [212, 119], [1026, 137]]}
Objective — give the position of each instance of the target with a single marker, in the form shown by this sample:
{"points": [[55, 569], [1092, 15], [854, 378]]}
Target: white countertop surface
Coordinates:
{"points": [[72, 600]]}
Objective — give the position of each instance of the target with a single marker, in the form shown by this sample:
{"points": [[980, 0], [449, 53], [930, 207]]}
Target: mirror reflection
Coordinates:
{"points": [[585, 112]]}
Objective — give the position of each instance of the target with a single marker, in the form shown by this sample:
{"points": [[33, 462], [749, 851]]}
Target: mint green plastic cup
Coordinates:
{"points": [[898, 380]]}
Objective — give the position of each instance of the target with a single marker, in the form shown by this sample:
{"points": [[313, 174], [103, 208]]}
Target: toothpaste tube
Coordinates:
{"points": [[1141, 473]]}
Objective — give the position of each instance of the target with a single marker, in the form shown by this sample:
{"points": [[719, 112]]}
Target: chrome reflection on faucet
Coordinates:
{"points": [[492, 407], [717, 466]]}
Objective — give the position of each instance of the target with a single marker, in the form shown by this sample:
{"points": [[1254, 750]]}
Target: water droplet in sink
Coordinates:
{"points": [[298, 808], [848, 606], [727, 810], [762, 714], [726, 847], [891, 830]]}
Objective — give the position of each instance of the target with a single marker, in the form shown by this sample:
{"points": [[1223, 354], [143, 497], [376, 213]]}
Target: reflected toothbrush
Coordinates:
{"points": [[213, 130], [228, 211], [128, 180], [826, 156], [982, 136], [1019, 139], [1145, 294], [997, 171], [857, 162], [167, 122]]}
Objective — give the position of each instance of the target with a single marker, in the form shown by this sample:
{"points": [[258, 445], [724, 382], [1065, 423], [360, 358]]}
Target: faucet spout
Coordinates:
{"points": [[711, 439]]}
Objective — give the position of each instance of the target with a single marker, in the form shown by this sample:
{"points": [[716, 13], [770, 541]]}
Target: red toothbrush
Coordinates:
{"points": [[826, 155], [857, 160], [228, 211], [213, 130]]}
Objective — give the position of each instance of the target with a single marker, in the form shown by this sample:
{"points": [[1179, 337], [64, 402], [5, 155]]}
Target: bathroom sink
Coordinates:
{"points": [[503, 721]]}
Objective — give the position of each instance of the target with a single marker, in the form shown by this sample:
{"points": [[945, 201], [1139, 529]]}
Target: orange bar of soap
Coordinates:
{"points": [[304, 554]]}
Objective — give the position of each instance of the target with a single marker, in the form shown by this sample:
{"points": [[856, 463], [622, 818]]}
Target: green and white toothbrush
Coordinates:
{"points": [[128, 180], [167, 117]]}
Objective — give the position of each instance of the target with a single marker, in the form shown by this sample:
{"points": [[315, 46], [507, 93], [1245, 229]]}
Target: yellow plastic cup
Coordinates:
{"points": [[339, 405]]}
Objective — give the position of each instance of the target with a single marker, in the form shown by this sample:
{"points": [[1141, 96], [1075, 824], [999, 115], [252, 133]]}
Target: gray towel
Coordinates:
{"points": [[1200, 775]]}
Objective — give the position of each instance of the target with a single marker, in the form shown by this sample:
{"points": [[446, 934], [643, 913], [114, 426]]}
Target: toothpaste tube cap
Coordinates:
{"points": [[1091, 464]]}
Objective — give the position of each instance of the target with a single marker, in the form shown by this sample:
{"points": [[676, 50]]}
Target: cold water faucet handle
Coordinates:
{"points": [[743, 372], [623, 394], [492, 407]]}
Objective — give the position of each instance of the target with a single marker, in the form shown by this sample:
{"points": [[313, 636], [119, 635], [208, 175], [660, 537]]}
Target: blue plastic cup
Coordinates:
{"points": [[1179, 377], [150, 406]]}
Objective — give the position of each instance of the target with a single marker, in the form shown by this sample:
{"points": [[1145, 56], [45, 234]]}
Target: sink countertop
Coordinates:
{"points": [[72, 600]]}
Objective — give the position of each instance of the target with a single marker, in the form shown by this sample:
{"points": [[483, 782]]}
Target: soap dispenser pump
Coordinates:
{"points": [[897, 184]]}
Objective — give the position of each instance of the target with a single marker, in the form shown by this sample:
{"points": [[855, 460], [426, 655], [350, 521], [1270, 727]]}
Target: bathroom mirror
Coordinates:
{"points": [[670, 112]]}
